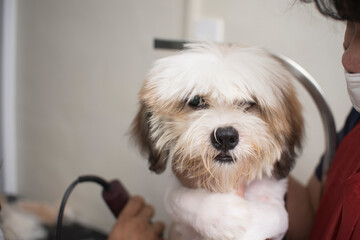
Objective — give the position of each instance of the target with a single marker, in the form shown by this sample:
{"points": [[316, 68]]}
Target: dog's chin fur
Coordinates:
{"points": [[242, 87]]}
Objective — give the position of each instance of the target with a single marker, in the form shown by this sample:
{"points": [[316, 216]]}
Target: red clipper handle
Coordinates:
{"points": [[116, 197]]}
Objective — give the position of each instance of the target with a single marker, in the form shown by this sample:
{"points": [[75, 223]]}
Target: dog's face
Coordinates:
{"points": [[221, 115]]}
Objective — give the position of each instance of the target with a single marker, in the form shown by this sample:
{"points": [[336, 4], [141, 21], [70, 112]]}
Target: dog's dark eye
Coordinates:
{"points": [[247, 105], [197, 102], [250, 105]]}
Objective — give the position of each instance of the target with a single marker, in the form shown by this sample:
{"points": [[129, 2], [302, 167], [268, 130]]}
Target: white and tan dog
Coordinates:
{"points": [[228, 120]]}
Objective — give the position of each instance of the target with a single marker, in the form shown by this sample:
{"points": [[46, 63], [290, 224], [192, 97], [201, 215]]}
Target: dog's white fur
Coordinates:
{"points": [[242, 87], [259, 215]]}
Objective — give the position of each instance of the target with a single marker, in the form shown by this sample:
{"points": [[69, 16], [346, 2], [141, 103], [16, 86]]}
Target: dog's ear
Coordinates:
{"points": [[141, 133], [292, 125]]}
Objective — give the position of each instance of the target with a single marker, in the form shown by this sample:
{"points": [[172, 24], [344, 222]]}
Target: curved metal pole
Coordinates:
{"points": [[309, 83]]}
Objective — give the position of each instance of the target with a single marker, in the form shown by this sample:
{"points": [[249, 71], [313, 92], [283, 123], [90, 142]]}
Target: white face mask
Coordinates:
{"points": [[353, 86]]}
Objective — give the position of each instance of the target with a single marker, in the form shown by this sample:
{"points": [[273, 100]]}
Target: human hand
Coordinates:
{"points": [[134, 222]]}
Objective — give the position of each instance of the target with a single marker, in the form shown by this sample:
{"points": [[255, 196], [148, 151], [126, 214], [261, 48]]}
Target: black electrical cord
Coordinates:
{"points": [[80, 179]]}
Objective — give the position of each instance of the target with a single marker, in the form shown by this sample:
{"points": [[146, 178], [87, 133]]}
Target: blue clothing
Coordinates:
{"points": [[352, 119]]}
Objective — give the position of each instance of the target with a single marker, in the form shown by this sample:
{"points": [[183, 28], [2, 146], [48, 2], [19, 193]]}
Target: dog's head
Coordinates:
{"points": [[220, 114]]}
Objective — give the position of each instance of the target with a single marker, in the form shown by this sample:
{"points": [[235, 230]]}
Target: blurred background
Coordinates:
{"points": [[71, 71]]}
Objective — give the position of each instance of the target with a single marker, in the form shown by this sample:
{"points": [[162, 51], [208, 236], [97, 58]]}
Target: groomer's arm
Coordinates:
{"points": [[134, 222], [302, 202]]}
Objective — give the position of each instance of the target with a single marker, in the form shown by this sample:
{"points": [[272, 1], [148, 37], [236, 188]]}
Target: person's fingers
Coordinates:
{"points": [[158, 228], [146, 212], [134, 222], [132, 208]]}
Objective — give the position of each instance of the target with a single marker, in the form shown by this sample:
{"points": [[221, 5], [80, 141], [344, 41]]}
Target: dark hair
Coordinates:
{"points": [[339, 9]]}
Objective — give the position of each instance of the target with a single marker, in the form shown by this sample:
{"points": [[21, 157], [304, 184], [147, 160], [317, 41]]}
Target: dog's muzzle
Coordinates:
{"points": [[224, 139]]}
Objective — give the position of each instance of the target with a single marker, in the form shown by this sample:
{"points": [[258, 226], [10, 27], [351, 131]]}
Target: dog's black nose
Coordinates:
{"points": [[225, 138]]}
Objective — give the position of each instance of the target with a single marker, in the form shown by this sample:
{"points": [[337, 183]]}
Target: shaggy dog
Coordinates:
{"points": [[228, 120]]}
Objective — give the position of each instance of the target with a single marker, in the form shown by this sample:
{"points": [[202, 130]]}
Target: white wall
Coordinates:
{"points": [[81, 64]]}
